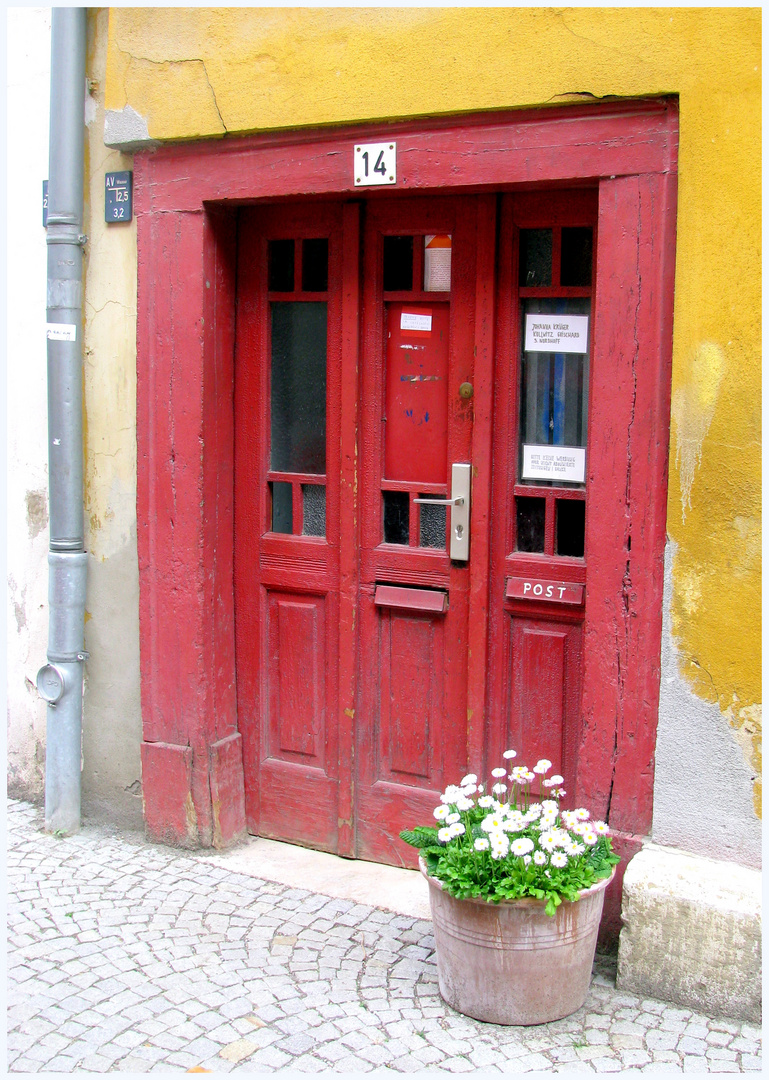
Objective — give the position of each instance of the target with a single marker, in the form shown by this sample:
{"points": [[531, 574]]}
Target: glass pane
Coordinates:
{"points": [[396, 517], [554, 385], [437, 272], [577, 256], [570, 527], [432, 525], [313, 510], [530, 524], [280, 263], [282, 507], [536, 257], [298, 392], [315, 265], [398, 263]]}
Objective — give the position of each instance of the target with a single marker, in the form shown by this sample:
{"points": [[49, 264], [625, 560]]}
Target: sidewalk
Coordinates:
{"points": [[128, 956]]}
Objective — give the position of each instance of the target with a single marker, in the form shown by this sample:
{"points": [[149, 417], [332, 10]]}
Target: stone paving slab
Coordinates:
{"points": [[126, 956]]}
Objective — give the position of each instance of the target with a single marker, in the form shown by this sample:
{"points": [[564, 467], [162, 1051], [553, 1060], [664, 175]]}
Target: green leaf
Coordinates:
{"points": [[422, 837]]}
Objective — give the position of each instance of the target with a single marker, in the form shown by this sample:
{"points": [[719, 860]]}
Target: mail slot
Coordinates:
{"points": [[398, 596], [552, 592]]}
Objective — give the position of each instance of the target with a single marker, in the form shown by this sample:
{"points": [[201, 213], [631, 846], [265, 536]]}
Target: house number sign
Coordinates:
{"points": [[558, 592], [374, 163]]}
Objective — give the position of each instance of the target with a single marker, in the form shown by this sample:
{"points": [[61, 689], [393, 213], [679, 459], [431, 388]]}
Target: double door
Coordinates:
{"points": [[412, 438]]}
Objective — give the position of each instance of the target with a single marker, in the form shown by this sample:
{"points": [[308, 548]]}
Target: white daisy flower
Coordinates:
{"points": [[457, 828], [573, 848], [522, 846], [534, 812], [547, 841], [452, 818], [500, 845], [542, 766], [600, 827], [441, 812], [468, 789], [463, 803], [508, 754], [499, 789], [540, 858], [486, 802], [444, 835], [451, 794], [471, 778], [481, 844], [550, 804], [527, 859], [523, 776], [582, 814], [589, 837], [557, 779], [559, 858], [492, 823], [498, 772]]}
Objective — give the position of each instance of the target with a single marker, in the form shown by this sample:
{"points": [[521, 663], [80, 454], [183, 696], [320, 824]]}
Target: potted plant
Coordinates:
{"points": [[516, 895]]}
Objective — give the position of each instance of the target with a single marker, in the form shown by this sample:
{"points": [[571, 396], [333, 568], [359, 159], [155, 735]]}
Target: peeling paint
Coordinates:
{"points": [[37, 512], [692, 411]]}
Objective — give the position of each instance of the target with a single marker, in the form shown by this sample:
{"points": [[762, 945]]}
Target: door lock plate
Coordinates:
{"points": [[459, 546]]}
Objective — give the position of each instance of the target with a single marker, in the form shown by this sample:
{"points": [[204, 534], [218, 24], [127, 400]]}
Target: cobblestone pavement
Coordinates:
{"points": [[128, 956]]}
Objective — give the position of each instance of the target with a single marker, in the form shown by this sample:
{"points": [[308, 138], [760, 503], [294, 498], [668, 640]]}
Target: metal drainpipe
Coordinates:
{"points": [[60, 681]]}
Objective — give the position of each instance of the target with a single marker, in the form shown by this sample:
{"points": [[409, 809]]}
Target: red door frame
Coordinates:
{"points": [[186, 196]]}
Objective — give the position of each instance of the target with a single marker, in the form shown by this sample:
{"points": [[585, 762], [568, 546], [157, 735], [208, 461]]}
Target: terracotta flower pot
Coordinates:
{"points": [[510, 963]]}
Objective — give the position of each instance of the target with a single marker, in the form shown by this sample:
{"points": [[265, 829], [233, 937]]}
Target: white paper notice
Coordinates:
{"points": [[438, 263], [554, 463], [59, 331], [556, 333], [410, 320]]}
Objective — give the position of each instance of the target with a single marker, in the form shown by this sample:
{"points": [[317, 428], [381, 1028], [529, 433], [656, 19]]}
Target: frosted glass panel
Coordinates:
{"points": [[432, 525], [298, 394], [313, 510]]}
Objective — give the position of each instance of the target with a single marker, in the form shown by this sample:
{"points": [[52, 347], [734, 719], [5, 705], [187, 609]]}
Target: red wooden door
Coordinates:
{"points": [[547, 428], [287, 518], [418, 344], [375, 664]]}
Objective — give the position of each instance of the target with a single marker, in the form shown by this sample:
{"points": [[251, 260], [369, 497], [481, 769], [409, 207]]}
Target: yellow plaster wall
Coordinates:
{"points": [[202, 72]]}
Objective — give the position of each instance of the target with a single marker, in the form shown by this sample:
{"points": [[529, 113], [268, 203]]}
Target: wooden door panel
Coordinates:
{"points": [[544, 689], [296, 635], [411, 699]]}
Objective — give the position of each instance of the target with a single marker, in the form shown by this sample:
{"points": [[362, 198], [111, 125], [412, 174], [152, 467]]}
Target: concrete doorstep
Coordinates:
{"points": [[692, 932]]}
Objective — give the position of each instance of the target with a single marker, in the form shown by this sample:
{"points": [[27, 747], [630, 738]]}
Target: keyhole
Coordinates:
{"points": [[459, 531]]}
